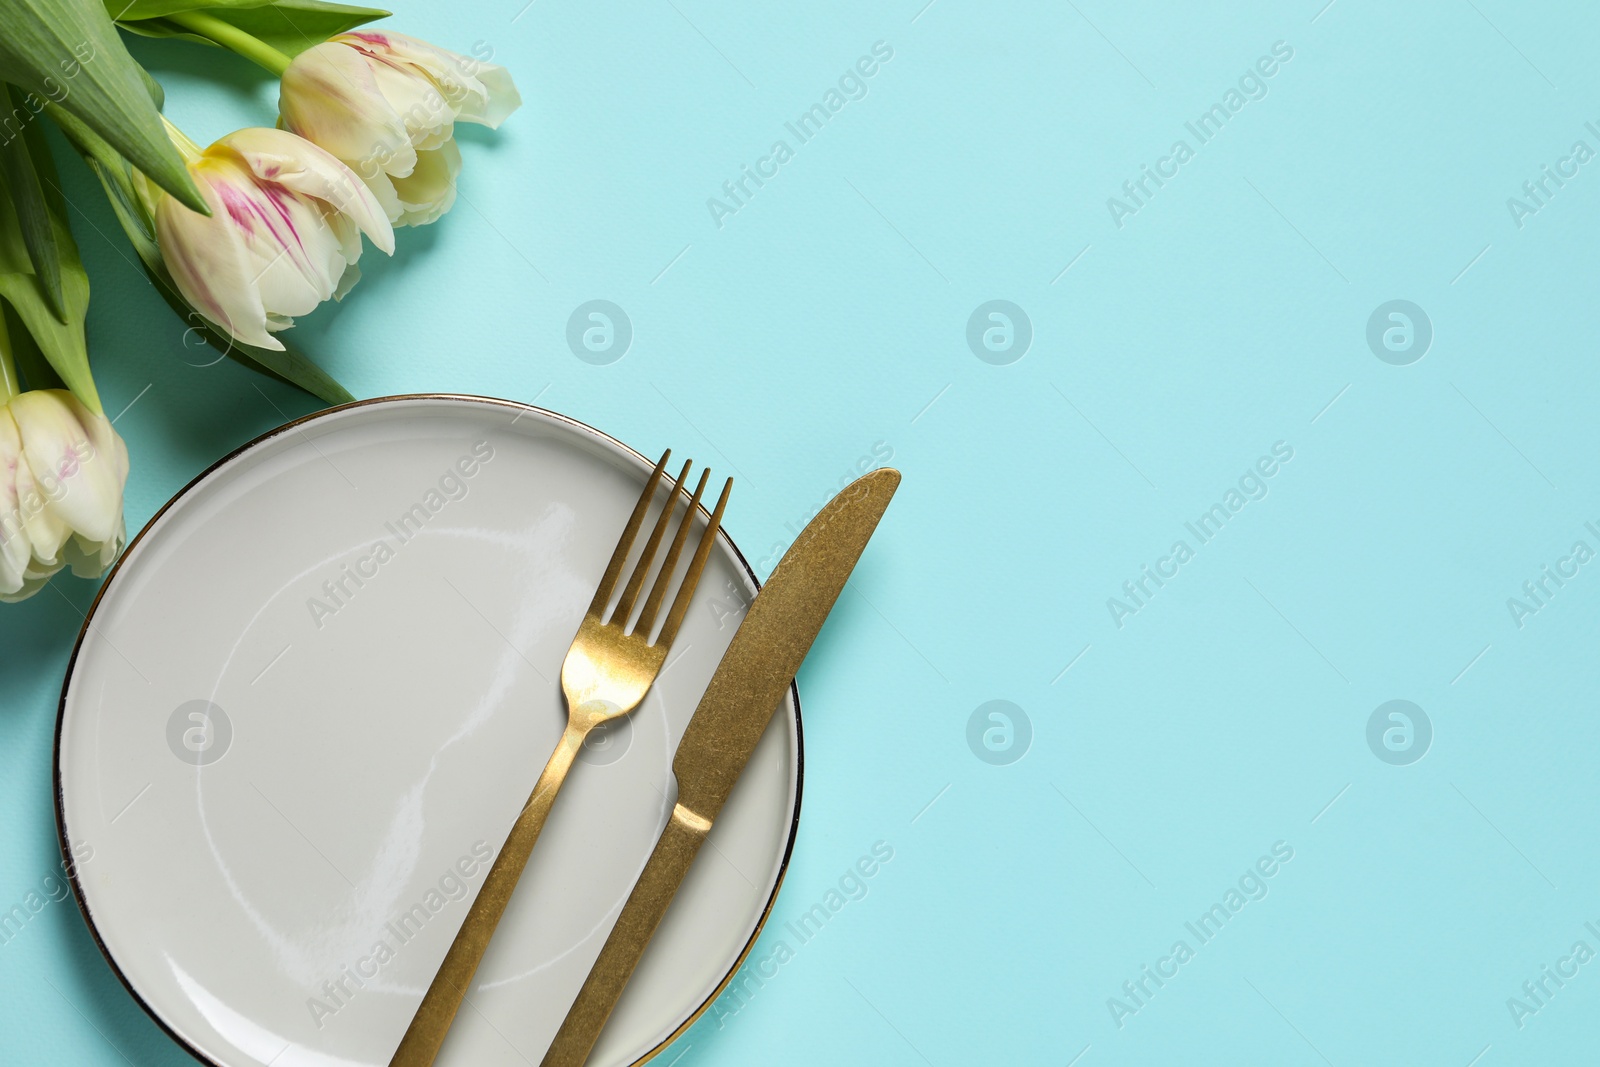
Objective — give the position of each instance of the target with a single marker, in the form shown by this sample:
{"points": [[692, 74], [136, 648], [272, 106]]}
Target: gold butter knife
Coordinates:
{"points": [[746, 689]]}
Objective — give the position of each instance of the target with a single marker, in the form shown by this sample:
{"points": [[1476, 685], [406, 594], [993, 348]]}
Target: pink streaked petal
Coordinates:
{"points": [[208, 264], [296, 285], [475, 91], [305, 169]]}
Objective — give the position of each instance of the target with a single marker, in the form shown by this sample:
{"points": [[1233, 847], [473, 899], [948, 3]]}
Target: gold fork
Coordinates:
{"points": [[607, 672]]}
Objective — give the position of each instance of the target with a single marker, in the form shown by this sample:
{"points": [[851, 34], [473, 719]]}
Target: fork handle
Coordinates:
{"points": [[426, 1033]]}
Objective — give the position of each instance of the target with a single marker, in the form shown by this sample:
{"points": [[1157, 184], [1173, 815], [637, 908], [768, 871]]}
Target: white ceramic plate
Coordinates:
{"points": [[313, 697]]}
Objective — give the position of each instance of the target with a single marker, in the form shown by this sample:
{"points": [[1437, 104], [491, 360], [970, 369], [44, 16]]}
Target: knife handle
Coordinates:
{"points": [[670, 861], [428, 1028]]}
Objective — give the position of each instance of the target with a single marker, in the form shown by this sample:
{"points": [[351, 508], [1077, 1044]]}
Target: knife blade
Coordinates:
{"points": [[755, 672]]}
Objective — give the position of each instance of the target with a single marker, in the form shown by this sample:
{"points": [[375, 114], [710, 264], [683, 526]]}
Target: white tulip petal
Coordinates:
{"points": [[80, 471], [431, 189], [349, 238], [382, 187], [89, 558], [44, 529], [31, 585], [280, 158], [352, 274], [501, 94], [330, 97], [392, 47], [294, 278], [208, 263], [427, 142], [108, 443], [15, 548], [423, 86], [417, 100], [479, 92]]}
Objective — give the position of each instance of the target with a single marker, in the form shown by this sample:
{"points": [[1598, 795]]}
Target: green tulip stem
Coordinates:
{"points": [[232, 38]]}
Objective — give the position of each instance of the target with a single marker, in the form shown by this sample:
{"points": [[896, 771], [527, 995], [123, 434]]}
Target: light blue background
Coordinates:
{"points": [[828, 316]]}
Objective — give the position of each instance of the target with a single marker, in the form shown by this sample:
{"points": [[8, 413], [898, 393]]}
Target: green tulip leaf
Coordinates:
{"points": [[290, 26], [35, 370], [158, 95], [139, 10], [115, 176], [68, 52], [28, 200], [61, 341]]}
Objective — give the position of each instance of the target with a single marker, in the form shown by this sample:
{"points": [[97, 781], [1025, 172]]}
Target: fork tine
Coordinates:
{"points": [[608, 582], [658, 592], [680, 605], [630, 592]]}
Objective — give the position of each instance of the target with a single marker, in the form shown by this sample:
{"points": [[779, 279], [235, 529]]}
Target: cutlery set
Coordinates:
{"points": [[607, 672]]}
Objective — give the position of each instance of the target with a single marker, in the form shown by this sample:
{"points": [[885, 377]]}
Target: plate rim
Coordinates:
{"points": [[70, 865]]}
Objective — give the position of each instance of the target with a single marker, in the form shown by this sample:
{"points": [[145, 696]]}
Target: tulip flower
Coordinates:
{"points": [[387, 105], [284, 232], [62, 471]]}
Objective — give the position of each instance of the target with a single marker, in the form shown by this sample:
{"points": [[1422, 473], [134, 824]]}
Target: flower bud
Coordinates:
{"points": [[387, 104], [62, 472], [284, 232]]}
